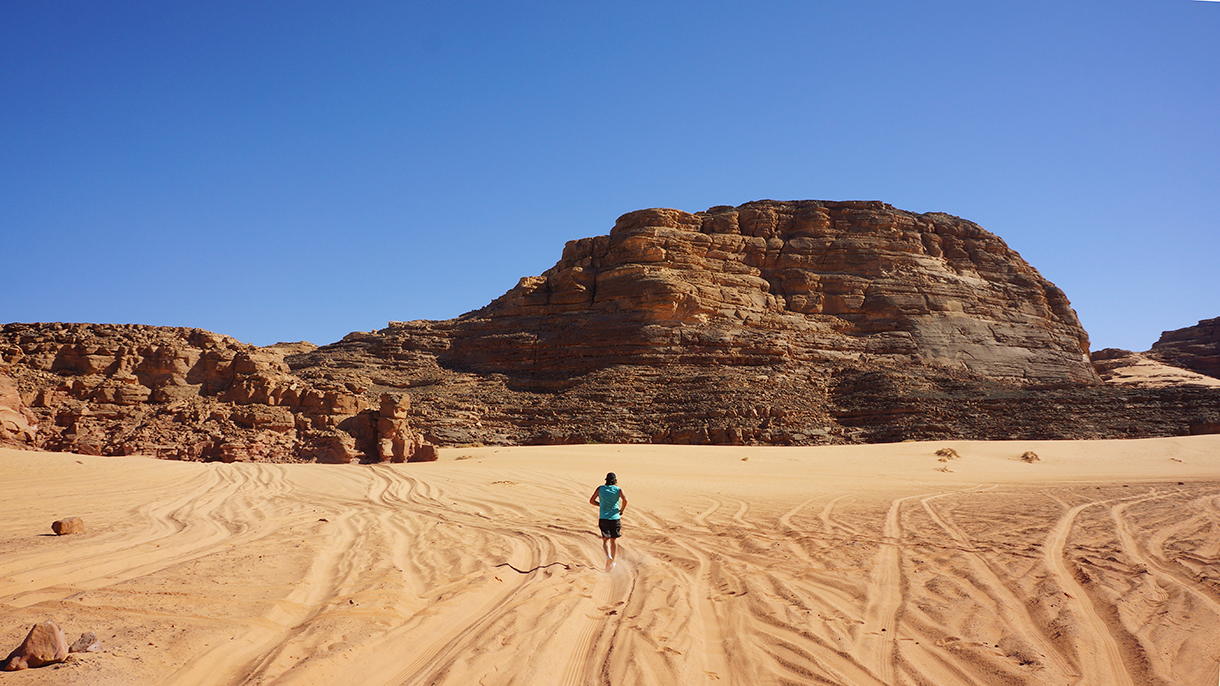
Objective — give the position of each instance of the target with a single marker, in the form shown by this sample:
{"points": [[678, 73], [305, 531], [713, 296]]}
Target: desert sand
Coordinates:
{"points": [[1099, 563]]}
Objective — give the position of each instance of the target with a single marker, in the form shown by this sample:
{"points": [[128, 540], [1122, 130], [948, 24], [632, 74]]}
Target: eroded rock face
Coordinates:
{"points": [[181, 393], [771, 323], [1196, 348], [770, 283], [775, 282], [18, 425], [1124, 367]]}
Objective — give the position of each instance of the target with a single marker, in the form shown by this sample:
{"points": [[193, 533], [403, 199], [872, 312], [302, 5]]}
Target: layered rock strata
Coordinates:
{"points": [[1117, 366], [193, 395], [763, 324], [771, 283], [1196, 348]]}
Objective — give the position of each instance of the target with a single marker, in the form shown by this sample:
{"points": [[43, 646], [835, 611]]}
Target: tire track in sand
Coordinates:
{"points": [[705, 620], [1011, 608], [233, 662], [1164, 573], [1103, 665], [180, 530], [879, 633]]}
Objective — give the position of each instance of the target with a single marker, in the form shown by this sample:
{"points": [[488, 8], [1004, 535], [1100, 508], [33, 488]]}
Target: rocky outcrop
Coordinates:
{"points": [[729, 326], [1196, 348], [18, 425], [772, 283], [1117, 366], [183, 394]]}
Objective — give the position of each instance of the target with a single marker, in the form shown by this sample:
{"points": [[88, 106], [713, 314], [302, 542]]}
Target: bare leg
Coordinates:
{"points": [[613, 548], [605, 546]]}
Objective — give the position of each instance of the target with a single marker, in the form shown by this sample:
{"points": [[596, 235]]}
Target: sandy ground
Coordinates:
{"points": [[1097, 564]]}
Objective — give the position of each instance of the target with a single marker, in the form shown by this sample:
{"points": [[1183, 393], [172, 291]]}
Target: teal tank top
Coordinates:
{"points": [[608, 498]]}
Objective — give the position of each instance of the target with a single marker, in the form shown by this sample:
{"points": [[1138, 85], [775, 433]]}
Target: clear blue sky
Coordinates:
{"points": [[282, 171]]}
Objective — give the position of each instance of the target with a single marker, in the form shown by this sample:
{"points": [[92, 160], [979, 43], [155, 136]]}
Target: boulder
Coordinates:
{"points": [[425, 453], [68, 525], [44, 645]]}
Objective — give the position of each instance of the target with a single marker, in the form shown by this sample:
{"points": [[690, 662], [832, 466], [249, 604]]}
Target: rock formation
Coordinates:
{"points": [[773, 323], [785, 323], [773, 283], [184, 394], [18, 425], [1196, 348], [1130, 368]]}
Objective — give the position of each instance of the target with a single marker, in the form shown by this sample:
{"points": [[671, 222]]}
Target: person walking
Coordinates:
{"points": [[612, 503]]}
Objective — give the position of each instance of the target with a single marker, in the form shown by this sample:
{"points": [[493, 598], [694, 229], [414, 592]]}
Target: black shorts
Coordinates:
{"points": [[611, 528]]}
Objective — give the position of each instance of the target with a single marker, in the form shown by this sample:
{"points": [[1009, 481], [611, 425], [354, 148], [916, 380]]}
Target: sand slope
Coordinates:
{"points": [[1098, 564]]}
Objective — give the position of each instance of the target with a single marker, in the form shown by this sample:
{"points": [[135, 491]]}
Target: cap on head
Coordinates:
{"points": [[611, 478]]}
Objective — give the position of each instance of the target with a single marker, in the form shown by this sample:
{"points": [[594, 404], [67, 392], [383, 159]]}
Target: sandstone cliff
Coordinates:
{"points": [[771, 283], [1196, 348], [772, 323], [1140, 369]]}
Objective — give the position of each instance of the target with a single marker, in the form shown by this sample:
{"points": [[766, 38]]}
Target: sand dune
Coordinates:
{"points": [[1097, 564]]}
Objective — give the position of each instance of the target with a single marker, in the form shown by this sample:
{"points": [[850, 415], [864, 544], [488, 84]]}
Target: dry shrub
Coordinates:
{"points": [[1029, 456], [947, 454]]}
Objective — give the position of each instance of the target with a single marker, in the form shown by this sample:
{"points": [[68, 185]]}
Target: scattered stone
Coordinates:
{"points": [[44, 645], [947, 454], [68, 525], [1030, 456], [87, 642]]}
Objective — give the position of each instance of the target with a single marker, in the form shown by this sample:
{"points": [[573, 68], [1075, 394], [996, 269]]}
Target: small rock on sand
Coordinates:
{"points": [[86, 643], [69, 525]]}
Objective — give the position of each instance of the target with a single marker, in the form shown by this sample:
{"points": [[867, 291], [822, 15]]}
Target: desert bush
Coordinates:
{"points": [[947, 454]]}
